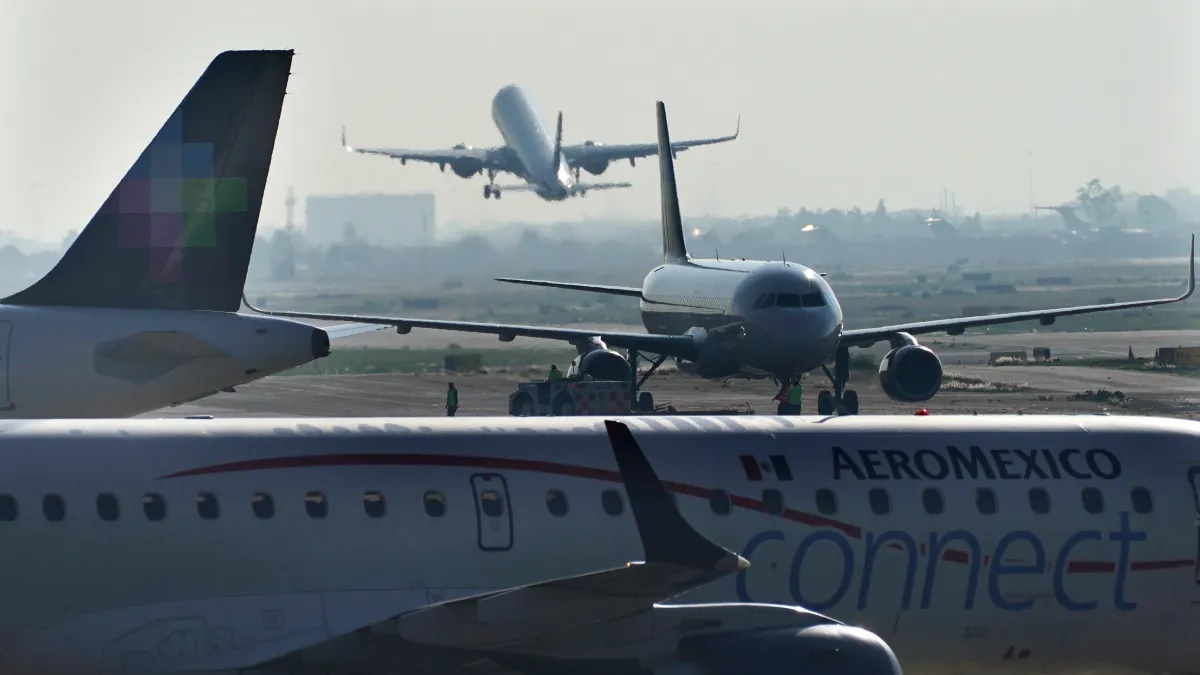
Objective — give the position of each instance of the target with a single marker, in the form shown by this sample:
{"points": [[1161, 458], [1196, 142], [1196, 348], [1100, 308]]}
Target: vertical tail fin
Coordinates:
{"points": [[177, 231], [672, 224], [558, 135]]}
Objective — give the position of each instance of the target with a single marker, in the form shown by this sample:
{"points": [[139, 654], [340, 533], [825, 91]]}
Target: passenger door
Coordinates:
{"points": [[492, 512]]}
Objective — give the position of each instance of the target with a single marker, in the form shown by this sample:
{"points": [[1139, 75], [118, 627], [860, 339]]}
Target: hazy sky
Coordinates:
{"points": [[842, 103]]}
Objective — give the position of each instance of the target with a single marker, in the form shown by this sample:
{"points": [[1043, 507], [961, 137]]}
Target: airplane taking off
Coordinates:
{"points": [[549, 169], [719, 318], [141, 311], [966, 544]]}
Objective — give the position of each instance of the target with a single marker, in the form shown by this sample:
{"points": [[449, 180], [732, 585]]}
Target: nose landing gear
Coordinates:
{"points": [[841, 401]]}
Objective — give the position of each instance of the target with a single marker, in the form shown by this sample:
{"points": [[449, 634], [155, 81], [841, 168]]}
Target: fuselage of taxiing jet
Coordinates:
{"points": [[141, 312], [979, 544], [533, 152]]}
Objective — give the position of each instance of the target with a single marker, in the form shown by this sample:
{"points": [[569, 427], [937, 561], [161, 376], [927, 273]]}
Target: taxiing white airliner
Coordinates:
{"points": [[549, 169], [718, 318], [142, 310], [978, 544]]}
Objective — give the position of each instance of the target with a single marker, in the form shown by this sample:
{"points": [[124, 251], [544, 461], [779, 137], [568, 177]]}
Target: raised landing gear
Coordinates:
{"points": [[840, 401]]}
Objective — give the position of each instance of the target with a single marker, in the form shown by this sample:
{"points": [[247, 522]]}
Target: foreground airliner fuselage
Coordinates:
{"points": [[969, 544]]}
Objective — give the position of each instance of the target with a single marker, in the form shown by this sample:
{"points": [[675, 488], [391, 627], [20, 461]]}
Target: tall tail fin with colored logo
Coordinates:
{"points": [[177, 231], [674, 249]]}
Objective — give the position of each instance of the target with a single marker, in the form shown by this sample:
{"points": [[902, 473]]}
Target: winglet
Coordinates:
{"points": [[738, 129], [346, 145], [674, 248], [666, 536], [558, 139], [1191, 271]]}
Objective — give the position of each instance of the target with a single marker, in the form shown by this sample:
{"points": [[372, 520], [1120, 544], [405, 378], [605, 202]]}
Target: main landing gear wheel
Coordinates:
{"points": [[487, 191], [840, 401]]}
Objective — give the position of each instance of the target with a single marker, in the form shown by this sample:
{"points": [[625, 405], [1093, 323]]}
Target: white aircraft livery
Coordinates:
{"points": [[550, 169], [718, 318], [774, 545], [141, 311]]}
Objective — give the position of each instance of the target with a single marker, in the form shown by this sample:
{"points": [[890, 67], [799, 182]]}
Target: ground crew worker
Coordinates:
{"points": [[451, 400], [555, 373], [795, 396]]}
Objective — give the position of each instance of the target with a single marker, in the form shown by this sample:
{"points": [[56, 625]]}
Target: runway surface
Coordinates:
{"points": [[1048, 387]]}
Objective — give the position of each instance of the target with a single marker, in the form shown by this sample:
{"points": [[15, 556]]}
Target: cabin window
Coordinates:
{"points": [[435, 504], [263, 505], [773, 501], [373, 504], [612, 502], [1093, 500], [718, 501], [491, 503], [1142, 501], [826, 501], [207, 506], [985, 501], [54, 508], [316, 505], [154, 507], [106, 507], [556, 503], [1039, 500], [880, 501], [931, 498], [8, 508]]}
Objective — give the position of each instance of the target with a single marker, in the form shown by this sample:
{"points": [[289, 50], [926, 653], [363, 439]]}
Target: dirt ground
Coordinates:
{"points": [[1149, 393]]}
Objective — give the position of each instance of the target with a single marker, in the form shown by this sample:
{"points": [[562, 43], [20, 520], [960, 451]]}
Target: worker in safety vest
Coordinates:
{"points": [[795, 395], [451, 400], [555, 373]]}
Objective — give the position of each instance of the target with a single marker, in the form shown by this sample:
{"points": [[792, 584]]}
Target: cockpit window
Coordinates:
{"points": [[787, 300], [791, 300]]}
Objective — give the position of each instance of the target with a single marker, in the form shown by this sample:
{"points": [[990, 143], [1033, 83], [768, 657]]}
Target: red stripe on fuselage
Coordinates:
{"points": [[593, 473]]}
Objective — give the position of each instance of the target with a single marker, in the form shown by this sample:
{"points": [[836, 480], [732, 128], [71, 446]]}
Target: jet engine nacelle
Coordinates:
{"points": [[718, 352], [830, 649], [465, 168], [910, 374], [604, 364], [594, 166]]}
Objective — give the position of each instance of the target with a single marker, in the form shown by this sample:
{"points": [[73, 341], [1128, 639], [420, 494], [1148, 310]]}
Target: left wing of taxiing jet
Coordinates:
{"points": [[607, 620], [682, 346], [495, 158], [865, 337], [578, 155]]}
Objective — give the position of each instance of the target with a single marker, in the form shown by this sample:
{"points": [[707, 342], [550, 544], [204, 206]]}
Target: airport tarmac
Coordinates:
{"points": [[1045, 389]]}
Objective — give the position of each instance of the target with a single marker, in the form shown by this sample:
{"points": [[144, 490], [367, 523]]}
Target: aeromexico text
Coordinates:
{"points": [[975, 463]]}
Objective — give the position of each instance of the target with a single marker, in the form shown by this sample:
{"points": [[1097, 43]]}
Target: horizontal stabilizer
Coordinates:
{"points": [[588, 187], [629, 291]]}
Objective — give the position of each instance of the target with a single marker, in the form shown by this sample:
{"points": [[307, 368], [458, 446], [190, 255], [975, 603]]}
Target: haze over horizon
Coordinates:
{"points": [[840, 106]]}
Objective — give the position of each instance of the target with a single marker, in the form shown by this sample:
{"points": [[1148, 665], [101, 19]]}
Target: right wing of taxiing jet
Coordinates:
{"points": [[682, 346], [865, 337], [463, 158], [582, 155]]}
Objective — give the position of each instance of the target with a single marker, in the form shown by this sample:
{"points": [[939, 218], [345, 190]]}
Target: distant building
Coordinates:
{"points": [[392, 220]]}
